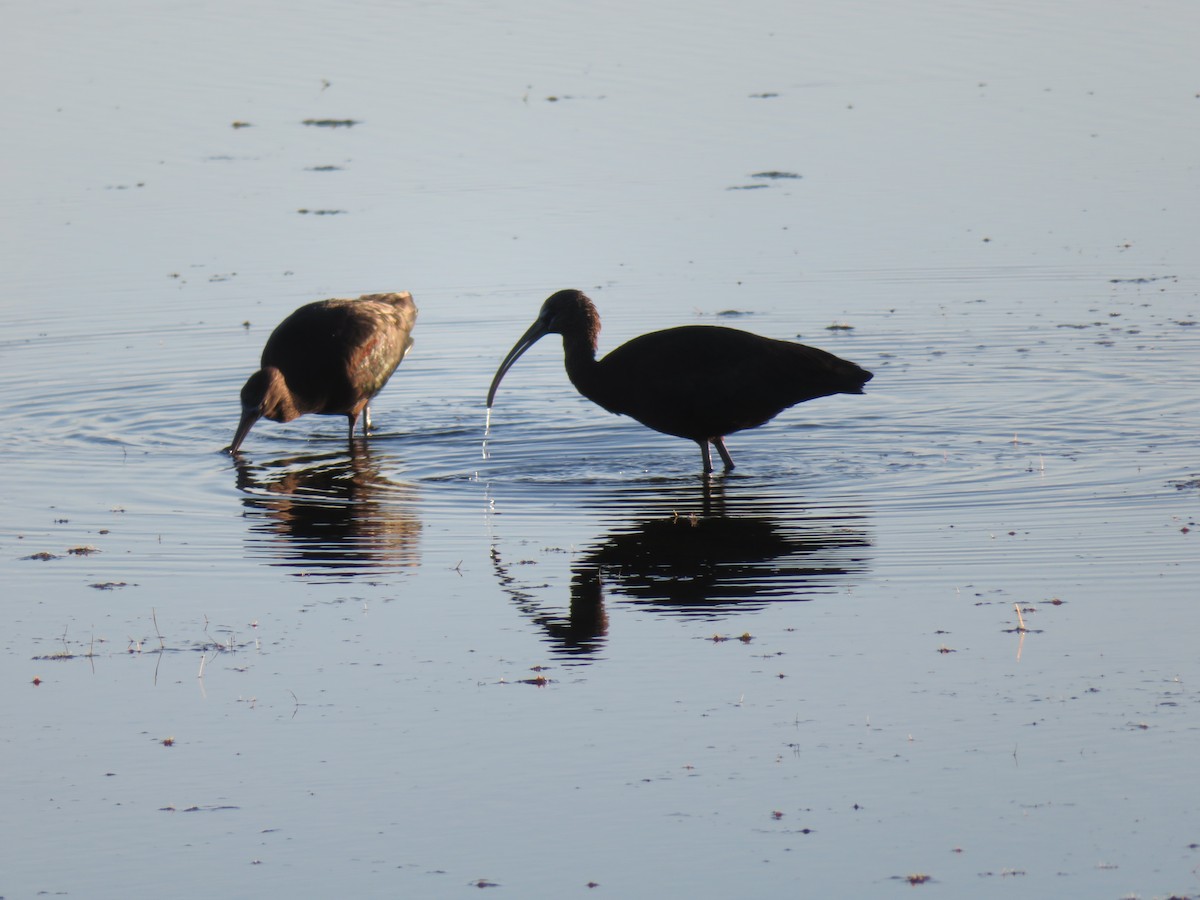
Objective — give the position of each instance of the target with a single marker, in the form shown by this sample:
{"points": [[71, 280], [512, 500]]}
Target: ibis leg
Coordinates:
{"points": [[707, 456], [720, 443]]}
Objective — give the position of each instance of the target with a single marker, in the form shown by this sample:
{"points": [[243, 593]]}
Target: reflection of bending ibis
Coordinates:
{"points": [[700, 382], [329, 357]]}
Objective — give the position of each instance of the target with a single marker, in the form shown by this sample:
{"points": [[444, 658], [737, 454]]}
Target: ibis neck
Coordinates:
{"points": [[579, 355], [278, 403]]}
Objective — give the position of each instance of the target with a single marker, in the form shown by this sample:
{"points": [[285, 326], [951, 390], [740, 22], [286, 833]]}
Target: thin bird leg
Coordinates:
{"points": [[353, 421], [720, 444], [707, 456], [367, 426]]}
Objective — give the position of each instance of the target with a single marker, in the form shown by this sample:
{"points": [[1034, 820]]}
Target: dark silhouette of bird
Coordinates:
{"points": [[330, 357], [700, 382]]}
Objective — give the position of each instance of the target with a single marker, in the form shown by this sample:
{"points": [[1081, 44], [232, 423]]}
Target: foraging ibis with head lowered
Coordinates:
{"points": [[330, 357]]}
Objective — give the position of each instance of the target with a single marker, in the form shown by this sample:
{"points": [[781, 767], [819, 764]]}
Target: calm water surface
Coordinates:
{"points": [[422, 665]]}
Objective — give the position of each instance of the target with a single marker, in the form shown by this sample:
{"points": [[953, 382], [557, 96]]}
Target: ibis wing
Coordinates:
{"points": [[704, 381]]}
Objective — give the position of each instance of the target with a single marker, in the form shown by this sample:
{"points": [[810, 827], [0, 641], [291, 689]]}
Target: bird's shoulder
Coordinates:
{"points": [[689, 345], [350, 320]]}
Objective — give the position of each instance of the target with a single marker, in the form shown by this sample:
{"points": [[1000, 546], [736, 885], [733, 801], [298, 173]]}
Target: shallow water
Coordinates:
{"points": [[423, 665]]}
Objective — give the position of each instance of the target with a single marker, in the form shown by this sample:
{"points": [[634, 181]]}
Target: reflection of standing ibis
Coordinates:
{"points": [[329, 357], [700, 382]]}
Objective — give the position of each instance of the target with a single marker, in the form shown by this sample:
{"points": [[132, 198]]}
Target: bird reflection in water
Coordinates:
{"points": [[330, 514], [579, 633], [719, 558]]}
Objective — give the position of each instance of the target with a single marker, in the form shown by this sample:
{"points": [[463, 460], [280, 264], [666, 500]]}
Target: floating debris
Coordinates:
{"points": [[331, 123], [1145, 279], [773, 174], [240, 124]]}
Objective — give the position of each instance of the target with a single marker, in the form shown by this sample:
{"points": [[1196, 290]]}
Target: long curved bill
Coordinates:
{"points": [[536, 332], [249, 417]]}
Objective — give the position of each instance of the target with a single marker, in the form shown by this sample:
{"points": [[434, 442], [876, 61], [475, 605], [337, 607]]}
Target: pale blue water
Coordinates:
{"points": [[425, 666]]}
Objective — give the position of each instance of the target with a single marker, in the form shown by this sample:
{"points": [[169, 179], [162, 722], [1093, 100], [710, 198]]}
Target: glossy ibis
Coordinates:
{"points": [[330, 357], [699, 382]]}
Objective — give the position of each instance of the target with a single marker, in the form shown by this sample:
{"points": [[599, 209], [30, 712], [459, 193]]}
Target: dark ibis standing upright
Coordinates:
{"points": [[699, 382], [330, 357]]}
